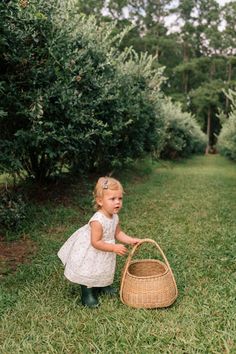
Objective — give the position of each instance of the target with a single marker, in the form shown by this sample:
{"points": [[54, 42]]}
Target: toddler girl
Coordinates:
{"points": [[89, 255]]}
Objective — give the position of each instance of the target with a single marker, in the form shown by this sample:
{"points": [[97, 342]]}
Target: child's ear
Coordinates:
{"points": [[99, 201]]}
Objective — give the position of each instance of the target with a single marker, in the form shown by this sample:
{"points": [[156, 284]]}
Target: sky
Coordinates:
{"points": [[222, 2], [172, 18]]}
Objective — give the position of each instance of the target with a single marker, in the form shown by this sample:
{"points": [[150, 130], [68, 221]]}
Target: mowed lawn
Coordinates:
{"points": [[189, 208]]}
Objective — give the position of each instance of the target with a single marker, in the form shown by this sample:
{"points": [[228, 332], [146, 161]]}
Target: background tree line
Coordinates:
{"points": [[193, 39]]}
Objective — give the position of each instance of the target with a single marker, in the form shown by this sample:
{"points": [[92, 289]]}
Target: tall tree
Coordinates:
{"points": [[228, 44], [206, 23]]}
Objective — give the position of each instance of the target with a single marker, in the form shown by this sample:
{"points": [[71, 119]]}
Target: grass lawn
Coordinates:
{"points": [[189, 208]]}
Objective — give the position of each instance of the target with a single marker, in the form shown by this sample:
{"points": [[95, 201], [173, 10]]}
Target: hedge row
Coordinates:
{"points": [[227, 138], [183, 135], [70, 98]]}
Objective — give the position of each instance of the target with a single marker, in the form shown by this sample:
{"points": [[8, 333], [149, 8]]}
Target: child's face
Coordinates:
{"points": [[111, 202]]}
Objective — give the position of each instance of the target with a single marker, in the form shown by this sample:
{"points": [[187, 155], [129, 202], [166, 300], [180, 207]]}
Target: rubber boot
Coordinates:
{"points": [[87, 297], [107, 290]]}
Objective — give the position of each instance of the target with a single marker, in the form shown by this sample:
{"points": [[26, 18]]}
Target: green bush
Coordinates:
{"points": [[227, 138], [183, 135], [12, 210], [131, 115], [71, 99]]}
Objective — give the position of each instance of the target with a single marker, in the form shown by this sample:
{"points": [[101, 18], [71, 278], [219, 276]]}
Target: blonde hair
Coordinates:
{"points": [[102, 184]]}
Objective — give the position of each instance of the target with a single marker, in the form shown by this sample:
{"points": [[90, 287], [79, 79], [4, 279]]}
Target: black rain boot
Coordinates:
{"points": [[107, 290], [87, 297]]}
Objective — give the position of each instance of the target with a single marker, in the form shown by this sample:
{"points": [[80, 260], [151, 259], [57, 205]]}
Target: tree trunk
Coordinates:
{"points": [[229, 77], [208, 147], [185, 74]]}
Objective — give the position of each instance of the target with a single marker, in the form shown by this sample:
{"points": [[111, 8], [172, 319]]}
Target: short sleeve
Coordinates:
{"points": [[108, 225], [97, 217]]}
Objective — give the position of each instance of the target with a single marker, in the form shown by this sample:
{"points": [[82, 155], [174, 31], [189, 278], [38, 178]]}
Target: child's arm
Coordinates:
{"points": [[122, 237], [98, 243]]}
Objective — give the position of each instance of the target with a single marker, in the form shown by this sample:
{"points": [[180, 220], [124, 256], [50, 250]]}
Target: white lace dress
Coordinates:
{"points": [[83, 263]]}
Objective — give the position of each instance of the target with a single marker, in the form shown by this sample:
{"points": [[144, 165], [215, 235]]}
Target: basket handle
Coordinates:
{"points": [[131, 254]]}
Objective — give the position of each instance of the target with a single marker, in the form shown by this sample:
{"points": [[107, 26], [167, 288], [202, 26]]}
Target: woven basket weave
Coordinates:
{"points": [[147, 283]]}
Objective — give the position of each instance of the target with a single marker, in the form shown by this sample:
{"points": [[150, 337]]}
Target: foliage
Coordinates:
{"points": [[227, 138], [183, 135], [195, 41], [12, 210], [68, 101], [140, 126], [207, 99]]}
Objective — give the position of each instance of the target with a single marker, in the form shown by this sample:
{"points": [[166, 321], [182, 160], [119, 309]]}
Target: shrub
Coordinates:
{"points": [[131, 114], [183, 135], [70, 98], [227, 137], [12, 210]]}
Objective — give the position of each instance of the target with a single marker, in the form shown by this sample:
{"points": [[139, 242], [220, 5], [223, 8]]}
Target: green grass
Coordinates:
{"points": [[189, 208]]}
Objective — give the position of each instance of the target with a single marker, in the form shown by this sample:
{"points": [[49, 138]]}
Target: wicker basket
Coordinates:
{"points": [[147, 283]]}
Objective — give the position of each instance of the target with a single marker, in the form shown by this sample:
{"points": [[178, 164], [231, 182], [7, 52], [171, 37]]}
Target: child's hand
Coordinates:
{"points": [[120, 249], [134, 240]]}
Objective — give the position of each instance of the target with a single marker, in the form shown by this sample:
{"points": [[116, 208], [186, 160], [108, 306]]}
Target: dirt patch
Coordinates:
{"points": [[14, 253]]}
